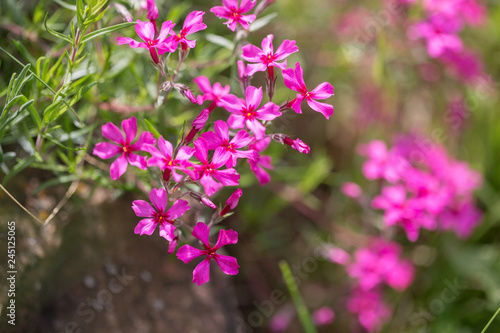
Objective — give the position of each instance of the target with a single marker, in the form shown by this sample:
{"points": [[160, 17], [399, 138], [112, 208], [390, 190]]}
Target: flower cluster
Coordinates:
{"points": [[424, 187], [209, 155], [440, 30], [371, 267]]}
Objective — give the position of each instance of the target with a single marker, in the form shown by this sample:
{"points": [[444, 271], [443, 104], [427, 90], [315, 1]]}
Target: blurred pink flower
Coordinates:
{"points": [[372, 312], [351, 190], [323, 316], [261, 161]]}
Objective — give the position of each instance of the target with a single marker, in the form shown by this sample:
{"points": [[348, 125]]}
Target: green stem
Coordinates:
{"points": [[303, 313], [491, 320]]}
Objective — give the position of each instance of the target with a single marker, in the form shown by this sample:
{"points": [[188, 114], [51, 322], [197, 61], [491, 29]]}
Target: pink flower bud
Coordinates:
{"points": [[206, 201], [300, 146], [337, 255], [200, 121], [152, 10], [232, 202], [184, 91], [323, 316], [122, 10], [351, 190]]}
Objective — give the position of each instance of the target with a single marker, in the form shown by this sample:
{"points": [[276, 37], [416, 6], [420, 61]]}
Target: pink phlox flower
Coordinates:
{"points": [[210, 93], [266, 57], [123, 146], [461, 217], [192, 24], [186, 92], [372, 312], [242, 75], [427, 190], [261, 161], [300, 146], [146, 31], [336, 254], [123, 11], [227, 264], [246, 112], [231, 202], [172, 245], [381, 163], [208, 172], [152, 10], [295, 81], [407, 212], [469, 10], [156, 214], [351, 190], [323, 316], [281, 320], [219, 140], [440, 33], [465, 65], [233, 12], [163, 158]]}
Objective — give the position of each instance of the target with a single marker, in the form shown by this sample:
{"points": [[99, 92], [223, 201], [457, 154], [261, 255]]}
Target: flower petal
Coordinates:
{"points": [[106, 150], [178, 208], [145, 226], [226, 237], [201, 273], [227, 264], [118, 167], [186, 253], [112, 132], [142, 208]]}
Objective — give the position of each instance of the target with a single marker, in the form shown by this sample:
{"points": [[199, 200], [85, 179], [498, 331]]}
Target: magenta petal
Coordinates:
{"points": [[241, 139], [130, 128], [166, 27], [106, 150], [137, 161], [145, 30], [323, 108], [202, 231], [254, 68], [220, 157], [213, 140], [178, 208], [228, 177], [210, 185], [251, 53], [184, 153], [142, 208], [201, 273], [145, 138], [227, 264], [159, 199], [118, 167], [226, 237], [236, 121], [203, 83], [257, 128], [112, 132], [220, 127], [131, 42], [269, 111], [246, 5], [167, 231], [186, 253], [165, 147], [322, 91], [253, 97], [285, 49], [145, 226]]}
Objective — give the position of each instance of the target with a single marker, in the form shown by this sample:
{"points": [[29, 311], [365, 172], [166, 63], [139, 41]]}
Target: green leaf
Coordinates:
{"points": [[55, 33], [80, 12], [24, 51], [105, 31], [65, 5], [152, 129], [221, 41], [262, 22], [56, 181], [20, 166]]}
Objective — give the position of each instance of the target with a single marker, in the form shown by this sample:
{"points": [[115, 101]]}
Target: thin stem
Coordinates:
{"points": [[303, 313], [491, 320], [19, 204]]}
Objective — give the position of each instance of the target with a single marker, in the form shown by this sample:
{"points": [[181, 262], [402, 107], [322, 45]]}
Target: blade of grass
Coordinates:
{"points": [[491, 320], [300, 306]]}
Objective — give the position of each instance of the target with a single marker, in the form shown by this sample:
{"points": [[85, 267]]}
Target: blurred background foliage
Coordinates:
{"points": [[62, 87]]}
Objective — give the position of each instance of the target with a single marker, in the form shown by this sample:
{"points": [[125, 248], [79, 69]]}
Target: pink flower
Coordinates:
{"points": [[146, 31], [265, 57], [210, 93], [208, 172], [381, 163], [164, 159], [323, 316], [227, 264], [247, 111], [219, 139], [152, 10], [198, 124], [192, 24], [461, 218], [295, 81], [441, 34], [407, 212], [123, 146], [233, 12], [296, 144], [261, 161], [372, 312], [281, 320], [156, 214], [351, 190], [232, 202]]}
